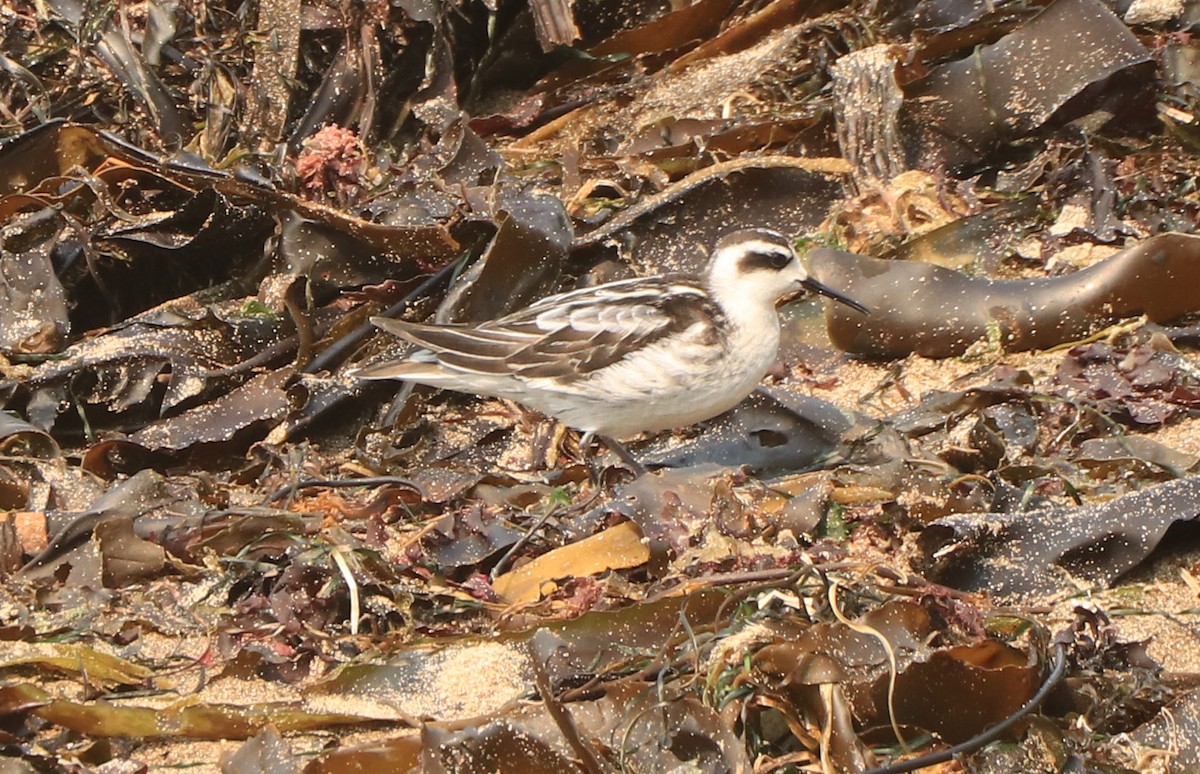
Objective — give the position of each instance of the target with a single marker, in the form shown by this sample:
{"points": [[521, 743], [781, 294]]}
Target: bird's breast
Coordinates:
{"points": [[699, 365]]}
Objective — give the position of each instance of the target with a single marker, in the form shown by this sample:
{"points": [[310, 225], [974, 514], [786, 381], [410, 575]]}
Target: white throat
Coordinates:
{"points": [[748, 298]]}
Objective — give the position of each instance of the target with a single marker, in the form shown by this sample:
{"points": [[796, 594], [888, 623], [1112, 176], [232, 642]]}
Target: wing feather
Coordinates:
{"points": [[568, 336]]}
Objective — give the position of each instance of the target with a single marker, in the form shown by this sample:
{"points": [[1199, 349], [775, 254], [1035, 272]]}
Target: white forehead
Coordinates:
{"points": [[764, 247], [750, 255]]}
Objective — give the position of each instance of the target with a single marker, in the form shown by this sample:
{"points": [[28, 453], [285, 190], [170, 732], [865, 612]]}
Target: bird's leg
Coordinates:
{"points": [[615, 446], [589, 459], [618, 448], [585, 441]]}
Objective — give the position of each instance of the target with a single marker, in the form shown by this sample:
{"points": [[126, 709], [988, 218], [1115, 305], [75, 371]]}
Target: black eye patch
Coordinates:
{"points": [[773, 260]]}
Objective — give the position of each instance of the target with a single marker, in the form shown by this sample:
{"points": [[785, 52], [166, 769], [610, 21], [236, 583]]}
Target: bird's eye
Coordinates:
{"points": [[780, 260]]}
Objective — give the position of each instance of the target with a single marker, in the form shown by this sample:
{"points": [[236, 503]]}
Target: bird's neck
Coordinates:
{"points": [[745, 311]]}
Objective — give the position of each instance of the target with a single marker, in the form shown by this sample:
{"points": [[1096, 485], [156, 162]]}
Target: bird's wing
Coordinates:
{"points": [[462, 347], [568, 336], [577, 333]]}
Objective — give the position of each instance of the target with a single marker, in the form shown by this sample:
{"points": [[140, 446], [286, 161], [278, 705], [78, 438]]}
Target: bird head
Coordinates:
{"points": [[759, 266]]}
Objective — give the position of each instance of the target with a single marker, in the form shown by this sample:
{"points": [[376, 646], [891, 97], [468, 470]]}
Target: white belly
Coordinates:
{"points": [[666, 386]]}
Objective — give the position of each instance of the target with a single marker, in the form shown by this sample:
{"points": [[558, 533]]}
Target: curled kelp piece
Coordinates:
{"points": [[1009, 89], [786, 193], [18, 437], [936, 312], [1046, 550], [772, 431], [525, 256]]}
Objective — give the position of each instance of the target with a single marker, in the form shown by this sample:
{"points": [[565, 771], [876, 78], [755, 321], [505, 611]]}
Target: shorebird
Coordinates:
{"points": [[626, 357]]}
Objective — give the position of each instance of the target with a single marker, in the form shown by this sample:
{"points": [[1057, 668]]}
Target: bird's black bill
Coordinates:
{"points": [[825, 290]]}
